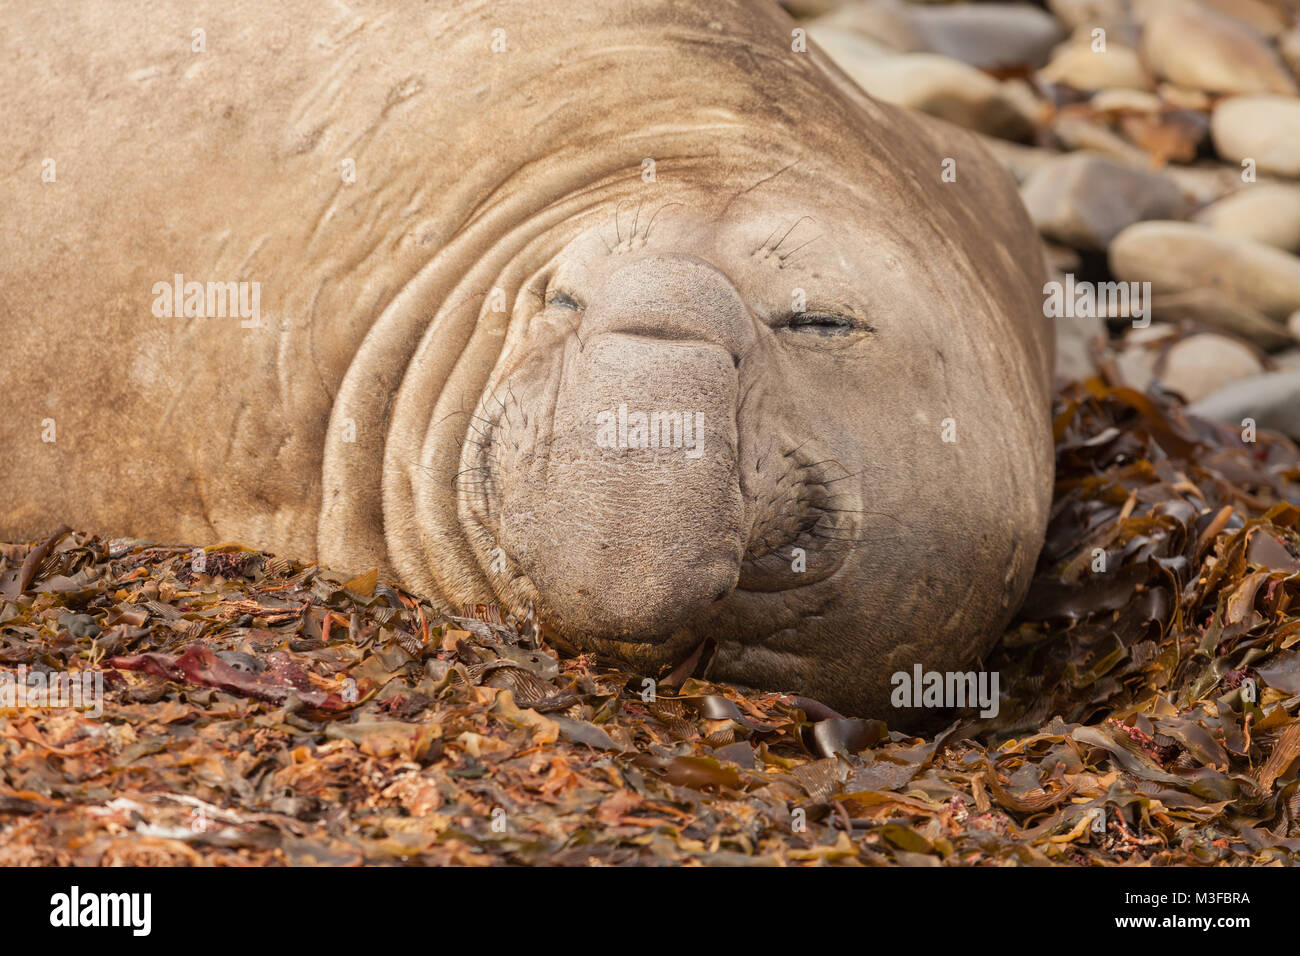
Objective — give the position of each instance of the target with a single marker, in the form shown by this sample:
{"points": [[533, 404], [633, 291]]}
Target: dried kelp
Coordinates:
{"points": [[258, 711]]}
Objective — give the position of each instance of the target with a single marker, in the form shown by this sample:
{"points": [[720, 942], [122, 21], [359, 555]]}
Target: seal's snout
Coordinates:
{"points": [[634, 524], [672, 297]]}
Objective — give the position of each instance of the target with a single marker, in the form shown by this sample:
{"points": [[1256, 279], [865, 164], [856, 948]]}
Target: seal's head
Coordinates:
{"points": [[807, 420], [715, 348]]}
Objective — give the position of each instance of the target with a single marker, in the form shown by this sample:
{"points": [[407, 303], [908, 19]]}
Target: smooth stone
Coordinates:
{"points": [[1184, 97], [933, 84], [1125, 101], [1202, 364], [1205, 182], [1259, 16], [1082, 17], [884, 22], [1024, 98], [986, 35], [1196, 47], [1288, 360], [1074, 334], [1018, 159], [1078, 133], [1088, 13], [1265, 212], [1288, 44], [1201, 183], [1179, 256], [1208, 308], [1074, 338], [1263, 128], [80, 626], [1272, 400], [1150, 334], [850, 50], [1078, 66], [1139, 352], [1085, 200], [1193, 366]]}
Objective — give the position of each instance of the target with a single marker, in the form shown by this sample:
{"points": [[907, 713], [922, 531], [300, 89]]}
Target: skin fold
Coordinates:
{"points": [[652, 205]]}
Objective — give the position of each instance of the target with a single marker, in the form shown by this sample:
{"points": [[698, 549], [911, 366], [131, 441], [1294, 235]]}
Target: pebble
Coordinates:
{"points": [[1288, 44], [1271, 400], [79, 625], [1206, 307], [1259, 16], [986, 35], [1074, 334], [1196, 47], [1084, 16], [1200, 365], [1265, 212], [1194, 366], [1084, 200], [1178, 256], [1263, 128], [928, 83], [1079, 66], [884, 22]]}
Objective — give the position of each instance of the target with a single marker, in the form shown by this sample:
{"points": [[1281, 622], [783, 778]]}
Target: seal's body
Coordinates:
{"points": [[637, 312]]}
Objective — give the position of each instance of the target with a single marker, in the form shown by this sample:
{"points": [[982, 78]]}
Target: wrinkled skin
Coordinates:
{"points": [[440, 338]]}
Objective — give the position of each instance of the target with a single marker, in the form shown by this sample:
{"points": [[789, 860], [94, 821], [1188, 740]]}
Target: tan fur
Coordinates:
{"points": [[522, 171]]}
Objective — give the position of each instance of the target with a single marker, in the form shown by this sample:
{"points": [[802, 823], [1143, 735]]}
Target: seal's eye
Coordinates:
{"points": [[824, 323], [562, 300]]}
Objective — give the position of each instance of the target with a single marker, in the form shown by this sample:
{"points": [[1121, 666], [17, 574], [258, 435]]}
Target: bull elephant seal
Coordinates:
{"points": [[405, 285]]}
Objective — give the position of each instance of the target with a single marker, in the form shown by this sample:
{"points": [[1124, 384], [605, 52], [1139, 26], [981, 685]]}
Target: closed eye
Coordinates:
{"points": [[562, 300], [825, 323]]}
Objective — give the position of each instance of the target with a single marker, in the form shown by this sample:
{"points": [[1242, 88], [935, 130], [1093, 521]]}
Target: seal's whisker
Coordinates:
{"points": [[768, 240], [829, 481], [797, 447], [636, 219], [449, 415], [464, 471], [788, 231], [825, 461], [786, 257], [651, 224], [497, 398], [618, 234]]}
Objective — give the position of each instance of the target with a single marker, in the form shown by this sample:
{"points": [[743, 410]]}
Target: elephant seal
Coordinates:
{"points": [[407, 285]]}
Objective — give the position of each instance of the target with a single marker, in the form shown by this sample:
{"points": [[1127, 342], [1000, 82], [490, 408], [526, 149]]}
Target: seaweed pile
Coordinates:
{"points": [[259, 711]]}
